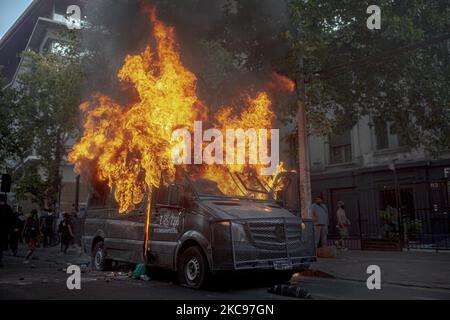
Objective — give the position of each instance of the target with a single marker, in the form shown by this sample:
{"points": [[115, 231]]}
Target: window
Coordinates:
{"points": [[162, 195], [382, 135], [340, 148], [60, 17], [55, 46], [100, 195], [401, 139], [387, 137]]}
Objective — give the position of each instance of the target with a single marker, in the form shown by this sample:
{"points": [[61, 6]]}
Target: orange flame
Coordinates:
{"points": [[129, 147], [281, 82], [257, 115]]}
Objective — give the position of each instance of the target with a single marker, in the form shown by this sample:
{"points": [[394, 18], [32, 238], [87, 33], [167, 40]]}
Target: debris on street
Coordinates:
{"points": [[290, 291]]}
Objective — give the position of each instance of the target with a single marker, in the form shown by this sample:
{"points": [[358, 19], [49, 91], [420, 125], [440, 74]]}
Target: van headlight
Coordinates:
{"points": [[239, 233]]}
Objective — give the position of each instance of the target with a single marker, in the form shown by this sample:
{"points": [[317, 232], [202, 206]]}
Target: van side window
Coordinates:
{"points": [[290, 194], [95, 200], [162, 195], [99, 195]]}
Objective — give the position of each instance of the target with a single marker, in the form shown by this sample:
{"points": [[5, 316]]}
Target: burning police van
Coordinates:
{"points": [[198, 231]]}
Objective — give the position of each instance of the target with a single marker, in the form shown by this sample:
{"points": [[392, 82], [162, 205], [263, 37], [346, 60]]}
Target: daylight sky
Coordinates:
{"points": [[10, 10]]}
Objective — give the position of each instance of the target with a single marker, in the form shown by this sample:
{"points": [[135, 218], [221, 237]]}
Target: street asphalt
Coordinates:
{"points": [[46, 279]]}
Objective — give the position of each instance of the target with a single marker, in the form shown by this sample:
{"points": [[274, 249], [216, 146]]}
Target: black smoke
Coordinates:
{"points": [[232, 46]]}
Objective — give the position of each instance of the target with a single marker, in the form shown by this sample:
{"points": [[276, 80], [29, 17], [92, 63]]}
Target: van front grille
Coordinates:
{"points": [[268, 235], [269, 240]]}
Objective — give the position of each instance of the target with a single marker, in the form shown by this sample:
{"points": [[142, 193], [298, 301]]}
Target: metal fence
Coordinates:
{"points": [[413, 215], [427, 229]]}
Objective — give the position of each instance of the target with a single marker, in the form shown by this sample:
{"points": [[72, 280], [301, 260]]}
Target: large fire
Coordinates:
{"points": [[129, 147], [256, 115]]}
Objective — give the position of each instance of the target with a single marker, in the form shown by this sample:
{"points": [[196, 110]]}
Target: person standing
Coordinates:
{"points": [[31, 233], [342, 225], [6, 223], [21, 221], [16, 233], [47, 228], [65, 231], [319, 213], [76, 223]]}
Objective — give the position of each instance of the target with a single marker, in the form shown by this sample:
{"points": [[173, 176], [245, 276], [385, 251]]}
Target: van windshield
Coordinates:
{"points": [[234, 187]]}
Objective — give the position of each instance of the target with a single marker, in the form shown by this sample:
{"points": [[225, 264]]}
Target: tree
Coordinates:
{"points": [[7, 142], [409, 89], [48, 96]]}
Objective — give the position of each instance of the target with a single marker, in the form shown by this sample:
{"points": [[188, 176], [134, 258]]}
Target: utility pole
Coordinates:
{"points": [[303, 148], [77, 192], [398, 204]]}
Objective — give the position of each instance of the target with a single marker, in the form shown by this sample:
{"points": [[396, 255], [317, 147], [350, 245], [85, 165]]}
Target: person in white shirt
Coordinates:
{"points": [[342, 225]]}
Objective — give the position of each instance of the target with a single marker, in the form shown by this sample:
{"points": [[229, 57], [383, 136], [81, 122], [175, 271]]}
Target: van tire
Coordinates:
{"points": [[98, 258], [193, 269]]}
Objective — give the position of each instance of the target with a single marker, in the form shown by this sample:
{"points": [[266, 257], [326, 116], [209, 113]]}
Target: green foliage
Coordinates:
{"points": [[413, 227], [408, 89], [32, 183], [218, 63], [389, 222], [46, 115]]}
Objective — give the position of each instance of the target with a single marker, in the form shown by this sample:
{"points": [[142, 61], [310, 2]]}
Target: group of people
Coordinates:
{"points": [[321, 221], [15, 227], [32, 229]]}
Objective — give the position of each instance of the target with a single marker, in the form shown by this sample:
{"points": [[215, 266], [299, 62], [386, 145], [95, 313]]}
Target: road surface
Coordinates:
{"points": [[47, 280]]}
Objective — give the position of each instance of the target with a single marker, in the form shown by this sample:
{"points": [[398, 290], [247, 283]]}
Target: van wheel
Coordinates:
{"points": [[99, 261], [193, 270]]}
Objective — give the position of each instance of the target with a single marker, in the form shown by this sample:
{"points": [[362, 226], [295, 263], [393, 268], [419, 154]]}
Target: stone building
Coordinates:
{"points": [[37, 29]]}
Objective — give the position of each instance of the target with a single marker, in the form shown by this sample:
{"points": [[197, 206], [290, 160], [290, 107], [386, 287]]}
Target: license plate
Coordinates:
{"points": [[282, 265]]}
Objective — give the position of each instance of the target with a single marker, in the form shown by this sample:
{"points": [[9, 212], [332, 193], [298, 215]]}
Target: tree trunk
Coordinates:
{"points": [[54, 174], [303, 149]]}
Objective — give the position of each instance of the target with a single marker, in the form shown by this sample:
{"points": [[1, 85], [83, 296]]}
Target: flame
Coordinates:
{"points": [[281, 82], [256, 115], [129, 147]]}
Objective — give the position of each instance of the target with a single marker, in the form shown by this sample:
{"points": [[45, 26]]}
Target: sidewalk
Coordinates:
{"points": [[420, 269]]}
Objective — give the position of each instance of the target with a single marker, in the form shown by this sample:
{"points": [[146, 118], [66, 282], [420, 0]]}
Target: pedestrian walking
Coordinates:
{"points": [[76, 224], [6, 223], [343, 223], [66, 233], [320, 218], [17, 228], [21, 216], [31, 233], [47, 228]]}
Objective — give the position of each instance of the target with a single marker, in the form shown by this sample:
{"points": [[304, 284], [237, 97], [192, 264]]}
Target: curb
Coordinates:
{"points": [[315, 273]]}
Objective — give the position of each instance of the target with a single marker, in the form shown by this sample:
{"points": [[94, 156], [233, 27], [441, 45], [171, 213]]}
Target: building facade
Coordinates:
{"points": [[391, 192], [37, 29]]}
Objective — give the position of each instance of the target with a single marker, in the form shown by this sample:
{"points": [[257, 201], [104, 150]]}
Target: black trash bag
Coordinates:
{"points": [[290, 291]]}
